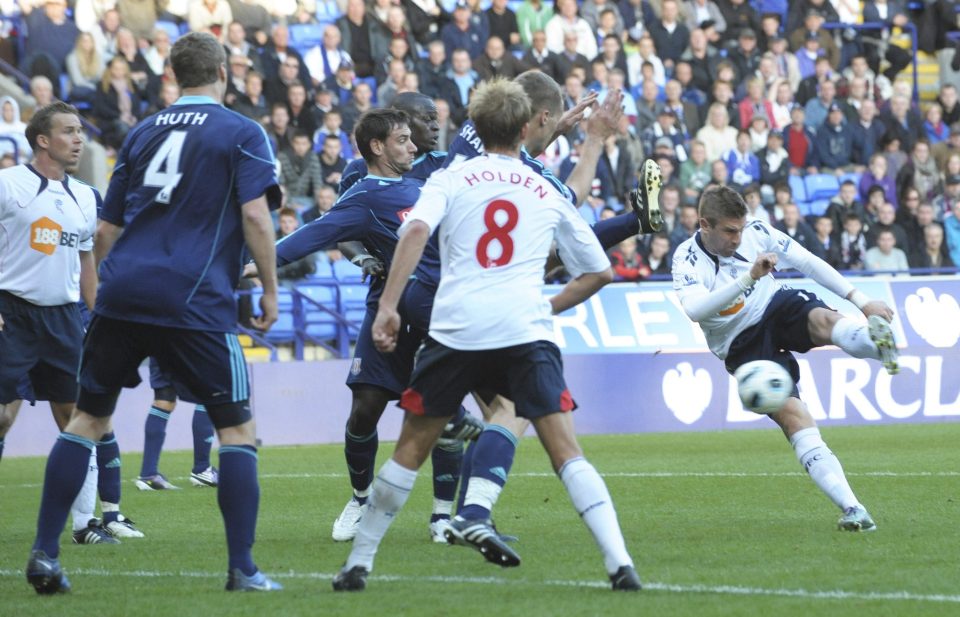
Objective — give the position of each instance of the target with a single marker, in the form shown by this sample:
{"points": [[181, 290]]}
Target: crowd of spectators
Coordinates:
{"points": [[763, 96]]}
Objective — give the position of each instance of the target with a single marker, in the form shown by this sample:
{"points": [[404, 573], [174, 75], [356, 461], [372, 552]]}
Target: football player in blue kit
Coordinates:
{"points": [[155, 432], [193, 185]]}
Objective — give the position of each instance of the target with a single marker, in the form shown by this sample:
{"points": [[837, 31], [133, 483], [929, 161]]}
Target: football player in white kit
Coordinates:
{"points": [[491, 327], [48, 220], [722, 275]]}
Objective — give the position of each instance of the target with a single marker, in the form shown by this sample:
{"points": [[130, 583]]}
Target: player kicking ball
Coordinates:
{"points": [[491, 326], [722, 275]]}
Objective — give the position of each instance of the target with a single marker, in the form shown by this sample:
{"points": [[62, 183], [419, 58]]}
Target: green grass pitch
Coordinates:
{"points": [[718, 523]]}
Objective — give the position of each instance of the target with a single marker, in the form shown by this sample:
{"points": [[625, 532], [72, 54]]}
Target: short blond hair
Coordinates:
{"points": [[499, 109]]}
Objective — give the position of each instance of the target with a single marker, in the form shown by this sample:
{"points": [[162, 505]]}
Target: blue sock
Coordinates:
{"points": [[202, 439], [446, 459], [1, 448], [361, 454], [66, 469], [154, 433], [612, 232], [239, 498], [491, 462], [108, 482], [466, 470]]}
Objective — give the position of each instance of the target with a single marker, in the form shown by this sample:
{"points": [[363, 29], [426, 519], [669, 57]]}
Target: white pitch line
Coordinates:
{"points": [[616, 474], [736, 590]]}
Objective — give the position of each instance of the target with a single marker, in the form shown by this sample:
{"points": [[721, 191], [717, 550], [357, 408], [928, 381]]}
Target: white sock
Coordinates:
{"points": [[592, 501], [823, 466], [85, 505], [390, 492], [854, 338], [442, 507], [482, 492]]}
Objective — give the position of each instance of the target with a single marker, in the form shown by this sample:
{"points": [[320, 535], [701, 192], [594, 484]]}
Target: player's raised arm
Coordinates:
{"points": [[602, 123], [820, 271]]}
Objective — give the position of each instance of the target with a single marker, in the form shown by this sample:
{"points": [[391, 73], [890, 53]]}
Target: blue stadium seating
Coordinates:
{"points": [[798, 188], [854, 176], [816, 207], [171, 28], [305, 36], [328, 11], [821, 186], [319, 324], [343, 270]]}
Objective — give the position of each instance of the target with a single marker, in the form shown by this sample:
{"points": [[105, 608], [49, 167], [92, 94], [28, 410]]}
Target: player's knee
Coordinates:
{"points": [[229, 415], [365, 410], [793, 416], [820, 323]]}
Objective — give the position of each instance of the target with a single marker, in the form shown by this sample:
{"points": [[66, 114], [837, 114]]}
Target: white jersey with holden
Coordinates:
{"points": [[44, 224], [498, 220]]}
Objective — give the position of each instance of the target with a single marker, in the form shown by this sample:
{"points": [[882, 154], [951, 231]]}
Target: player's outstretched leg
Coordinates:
{"points": [[871, 340], [822, 464], [203, 472], [108, 460], [645, 199], [66, 469], [590, 497]]}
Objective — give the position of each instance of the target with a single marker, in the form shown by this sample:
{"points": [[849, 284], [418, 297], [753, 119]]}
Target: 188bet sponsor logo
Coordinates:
{"points": [[46, 235]]}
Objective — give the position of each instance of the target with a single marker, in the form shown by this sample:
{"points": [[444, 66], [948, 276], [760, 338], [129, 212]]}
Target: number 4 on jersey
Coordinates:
{"points": [[164, 168], [498, 232]]}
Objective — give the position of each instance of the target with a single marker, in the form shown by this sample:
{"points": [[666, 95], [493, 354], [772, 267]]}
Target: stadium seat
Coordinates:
{"points": [[353, 303], [343, 270], [821, 186], [854, 176], [816, 207], [171, 28], [372, 82], [780, 7], [324, 268], [305, 36], [798, 188], [328, 11], [319, 324]]}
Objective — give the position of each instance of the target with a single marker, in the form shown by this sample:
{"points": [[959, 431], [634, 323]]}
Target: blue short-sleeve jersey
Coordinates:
{"points": [[467, 145], [423, 166], [371, 212], [180, 180]]}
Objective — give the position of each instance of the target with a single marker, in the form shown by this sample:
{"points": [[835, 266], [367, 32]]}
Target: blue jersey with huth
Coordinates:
{"points": [[371, 212], [422, 167], [180, 180], [467, 145]]}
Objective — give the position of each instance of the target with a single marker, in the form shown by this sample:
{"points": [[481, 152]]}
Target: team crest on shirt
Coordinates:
{"points": [[733, 271], [355, 367]]}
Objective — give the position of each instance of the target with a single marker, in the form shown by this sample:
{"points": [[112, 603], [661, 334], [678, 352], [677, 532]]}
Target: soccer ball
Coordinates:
{"points": [[764, 386]]}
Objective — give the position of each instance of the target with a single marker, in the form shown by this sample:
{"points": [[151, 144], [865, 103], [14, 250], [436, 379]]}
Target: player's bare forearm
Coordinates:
{"points": [[579, 289], [259, 236], [88, 278], [405, 259], [107, 234], [581, 178]]}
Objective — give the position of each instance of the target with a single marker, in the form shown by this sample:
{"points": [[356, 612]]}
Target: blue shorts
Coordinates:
{"points": [[531, 375], [209, 366], [389, 371], [39, 350], [782, 329], [165, 388]]}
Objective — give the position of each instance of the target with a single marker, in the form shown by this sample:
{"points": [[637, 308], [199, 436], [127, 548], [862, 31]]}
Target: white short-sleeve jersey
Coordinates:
{"points": [[498, 220], [44, 224], [696, 270]]}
